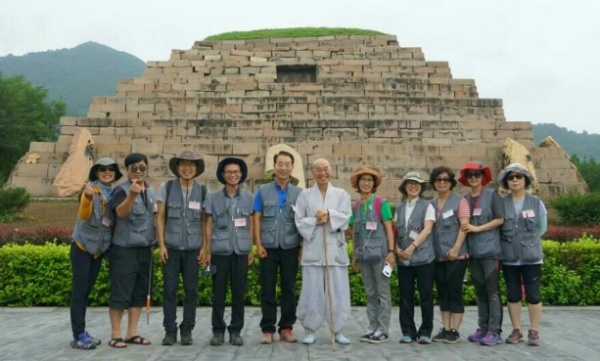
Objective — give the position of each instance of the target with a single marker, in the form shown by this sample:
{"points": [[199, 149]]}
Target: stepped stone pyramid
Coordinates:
{"points": [[355, 100]]}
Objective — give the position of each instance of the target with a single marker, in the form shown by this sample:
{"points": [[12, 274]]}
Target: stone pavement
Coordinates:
{"points": [[567, 333]]}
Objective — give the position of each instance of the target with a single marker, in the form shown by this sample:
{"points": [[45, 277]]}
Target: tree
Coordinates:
{"points": [[25, 116], [590, 171]]}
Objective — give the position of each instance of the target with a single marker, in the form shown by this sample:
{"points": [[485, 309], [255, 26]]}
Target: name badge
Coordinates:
{"points": [[477, 212], [447, 214], [194, 205], [240, 222], [529, 213], [105, 222], [413, 235], [372, 226]]}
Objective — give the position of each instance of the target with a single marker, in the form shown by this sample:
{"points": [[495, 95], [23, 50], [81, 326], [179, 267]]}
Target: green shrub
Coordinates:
{"points": [[578, 209], [12, 202], [291, 33], [41, 276]]}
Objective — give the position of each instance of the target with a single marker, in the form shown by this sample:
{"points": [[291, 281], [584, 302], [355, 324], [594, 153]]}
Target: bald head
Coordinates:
{"points": [[322, 172]]}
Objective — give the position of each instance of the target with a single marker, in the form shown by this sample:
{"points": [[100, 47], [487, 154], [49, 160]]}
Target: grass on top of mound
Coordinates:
{"points": [[291, 33]]}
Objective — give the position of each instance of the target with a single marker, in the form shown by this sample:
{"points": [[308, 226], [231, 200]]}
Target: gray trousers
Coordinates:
{"points": [[484, 273], [379, 301]]}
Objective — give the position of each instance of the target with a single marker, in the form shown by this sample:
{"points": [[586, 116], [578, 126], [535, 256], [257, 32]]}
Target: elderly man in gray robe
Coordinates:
{"points": [[322, 215]]}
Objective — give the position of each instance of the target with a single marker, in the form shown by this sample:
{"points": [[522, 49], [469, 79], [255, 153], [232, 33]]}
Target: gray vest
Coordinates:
{"points": [[92, 234], [370, 246], [416, 222], [137, 229], [182, 224], [487, 243], [277, 226], [446, 229], [519, 235], [226, 237]]}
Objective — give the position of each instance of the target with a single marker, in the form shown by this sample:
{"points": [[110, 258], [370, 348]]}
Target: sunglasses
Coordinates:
{"points": [[515, 176], [106, 169], [473, 174], [135, 168], [439, 179]]}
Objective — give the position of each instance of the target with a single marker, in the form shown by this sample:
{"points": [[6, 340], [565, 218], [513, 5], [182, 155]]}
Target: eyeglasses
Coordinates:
{"points": [[186, 164], [413, 183], [440, 179], [135, 168], [473, 174], [106, 169], [232, 172], [366, 181], [515, 176]]}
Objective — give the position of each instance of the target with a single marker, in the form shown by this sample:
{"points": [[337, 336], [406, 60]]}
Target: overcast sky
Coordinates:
{"points": [[541, 57]]}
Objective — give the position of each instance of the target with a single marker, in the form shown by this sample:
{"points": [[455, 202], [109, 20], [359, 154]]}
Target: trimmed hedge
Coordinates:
{"points": [[41, 276]]}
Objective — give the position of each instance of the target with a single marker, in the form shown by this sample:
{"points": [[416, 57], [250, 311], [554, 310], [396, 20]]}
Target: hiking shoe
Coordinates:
{"points": [[286, 335], [170, 338], [477, 335], [452, 336], [441, 336], [491, 339], [366, 336], [533, 339], [217, 340], [186, 337], [266, 338], [406, 339], [515, 337], [235, 339], [378, 338], [424, 340], [96, 341], [83, 342]]}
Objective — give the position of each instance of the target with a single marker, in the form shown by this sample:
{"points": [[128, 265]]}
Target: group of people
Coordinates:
{"points": [[213, 233], [433, 243]]}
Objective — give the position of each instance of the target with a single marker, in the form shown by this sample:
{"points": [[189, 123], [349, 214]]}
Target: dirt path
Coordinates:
{"points": [[46, 213]]}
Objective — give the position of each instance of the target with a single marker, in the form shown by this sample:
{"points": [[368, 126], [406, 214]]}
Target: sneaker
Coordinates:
{"points": [[235, 339], [286, 335], [266, 338], [170, 338], [378, 338], [217, 340], [83, 342], [477, 335], [452, 336], [424, 340], [186, 337], [533, 339], [96, 341], [309, 339], [491, 339], [341, 339], [406, 339], [441, 336], [515, 337], [366, 336]]}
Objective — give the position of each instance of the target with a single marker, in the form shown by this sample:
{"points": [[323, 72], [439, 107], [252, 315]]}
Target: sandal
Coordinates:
{"points": [[138, 340], [117, 342]]}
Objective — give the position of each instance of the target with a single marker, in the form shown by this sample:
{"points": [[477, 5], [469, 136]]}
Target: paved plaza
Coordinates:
{"points": [[567, 333]]}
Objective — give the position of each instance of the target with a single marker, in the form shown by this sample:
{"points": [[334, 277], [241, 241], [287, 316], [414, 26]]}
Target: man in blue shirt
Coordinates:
{"points": [[278, 245]]}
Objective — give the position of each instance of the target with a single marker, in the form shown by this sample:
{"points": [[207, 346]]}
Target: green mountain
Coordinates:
{"points": [[76, 74], [583, 144]]}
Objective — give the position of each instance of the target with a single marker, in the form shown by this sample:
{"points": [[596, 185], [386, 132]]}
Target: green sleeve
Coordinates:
{"points": [[351, 222], [386, 211]]}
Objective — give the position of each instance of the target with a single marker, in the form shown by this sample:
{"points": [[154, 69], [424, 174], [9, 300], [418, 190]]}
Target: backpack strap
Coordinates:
{"points": [[356, 207], [378, 202]]}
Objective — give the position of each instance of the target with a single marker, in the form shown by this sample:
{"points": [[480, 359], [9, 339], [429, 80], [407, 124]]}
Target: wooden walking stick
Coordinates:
{"points": [[328, 284]]}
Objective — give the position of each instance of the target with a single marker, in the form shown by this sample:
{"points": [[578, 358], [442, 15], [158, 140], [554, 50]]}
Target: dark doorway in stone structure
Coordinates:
{"points": [[296, 74]]}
